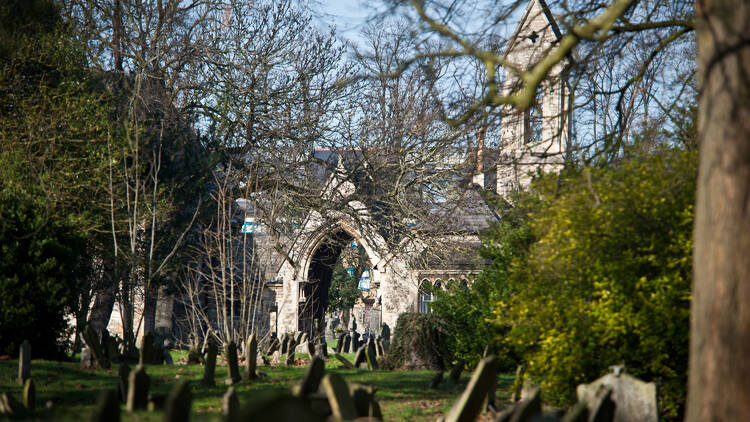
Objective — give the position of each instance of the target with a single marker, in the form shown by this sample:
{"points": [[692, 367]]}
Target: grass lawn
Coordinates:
{"points": [[403, 395]]}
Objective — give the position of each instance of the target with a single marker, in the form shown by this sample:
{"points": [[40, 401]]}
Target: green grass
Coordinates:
{"points": [[403, 395]]}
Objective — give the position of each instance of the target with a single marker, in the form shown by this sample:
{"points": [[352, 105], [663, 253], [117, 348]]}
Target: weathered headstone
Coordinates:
{"points": [[177, 407], [233, 376], [385, 332], [355, 340], [321, 349], [517, 385], [372, 360], [342, 405], [251, 358], [138, 385], [344, 361], [310, 348], [361, 357], [289, 360], [528, 408], [469, 405], [24, 362], [123, 374], [29, 394], [209, 369], [167, 357], [381, 349], [87, 361], [147, 350], [107, 408], [313, 374], [635, 400], [436, 380], [363, 397], [340, 343], [455, 374], [230, 406]]}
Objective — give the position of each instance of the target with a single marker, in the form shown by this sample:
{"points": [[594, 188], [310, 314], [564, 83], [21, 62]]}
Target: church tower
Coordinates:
{"points": [[536, 138]]}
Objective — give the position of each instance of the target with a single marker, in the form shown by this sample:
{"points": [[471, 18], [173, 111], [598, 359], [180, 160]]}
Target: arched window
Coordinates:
{"points": [[438, 284], [464, 284], [425, 297]]}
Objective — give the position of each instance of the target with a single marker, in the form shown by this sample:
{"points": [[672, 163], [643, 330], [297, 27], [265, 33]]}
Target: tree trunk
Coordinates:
{"points": [[149, 308], [104, 302], [719, 373]]}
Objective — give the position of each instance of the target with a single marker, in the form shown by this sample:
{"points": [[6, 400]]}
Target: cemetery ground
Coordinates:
{"points": [[402, 395]]}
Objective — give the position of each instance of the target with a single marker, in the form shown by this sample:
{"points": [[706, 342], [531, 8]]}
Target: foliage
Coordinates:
{"points": [[607, 279], [420, 341], [344, 291], [38, 271], [467, 312]]}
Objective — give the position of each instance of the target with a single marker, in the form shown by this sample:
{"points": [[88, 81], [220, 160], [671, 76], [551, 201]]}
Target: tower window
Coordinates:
{"points": [[532, 121]]}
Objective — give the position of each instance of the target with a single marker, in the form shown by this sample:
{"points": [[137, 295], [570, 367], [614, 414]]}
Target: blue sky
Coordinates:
{"points": [[349, 16]]}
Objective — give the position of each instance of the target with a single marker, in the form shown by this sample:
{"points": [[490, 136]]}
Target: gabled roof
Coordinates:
{"points": [[522, 23]]}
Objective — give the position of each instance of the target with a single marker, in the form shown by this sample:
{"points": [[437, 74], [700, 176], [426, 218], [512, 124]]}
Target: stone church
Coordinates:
{"points": [[295, 288]]}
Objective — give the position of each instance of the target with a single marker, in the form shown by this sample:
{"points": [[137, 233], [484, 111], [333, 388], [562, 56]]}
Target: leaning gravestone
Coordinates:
{"points": [[107, 408], [251, 358], [177, 407], [24, 362], [230, 406], [210, 367], [9, 405], [87, 361], [138, 385], [339, 399], [361, 357], [340, 343], [344, 361], [634, 399], [123, 374], [469, 405], [284, 343], [313, 374], [355, 340], [29, 394], [233, 376]]}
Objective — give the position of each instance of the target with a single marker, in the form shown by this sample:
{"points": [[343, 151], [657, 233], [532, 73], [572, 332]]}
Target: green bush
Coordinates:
{"points": [[607, 278], [419, 342]]}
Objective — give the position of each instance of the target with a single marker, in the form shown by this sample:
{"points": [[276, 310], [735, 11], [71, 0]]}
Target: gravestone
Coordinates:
{"points": [[289, 360], [138, 385], [339, 399], [340, 343], [634, 399], [24, 362], [107, 408], [344, 361], [313, 374], [381, 349], [230, 406], [361, 357], [123, 374], [469, 404], [321, 349], [177, 407], [455, 374], [273, 345], [146, 356], [528, 408], [167, 357], [347, 343], [355, 340], [29, 394], [284, 343], [385, 332], [87, 361], [276, 358], [233, 376], [209, 369], [372, 360], [251, 358], [436, 380], [194, 357], [363, 397]]}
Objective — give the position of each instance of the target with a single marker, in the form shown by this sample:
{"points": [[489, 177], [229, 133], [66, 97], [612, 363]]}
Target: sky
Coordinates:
{"points": [[348, 16]]}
